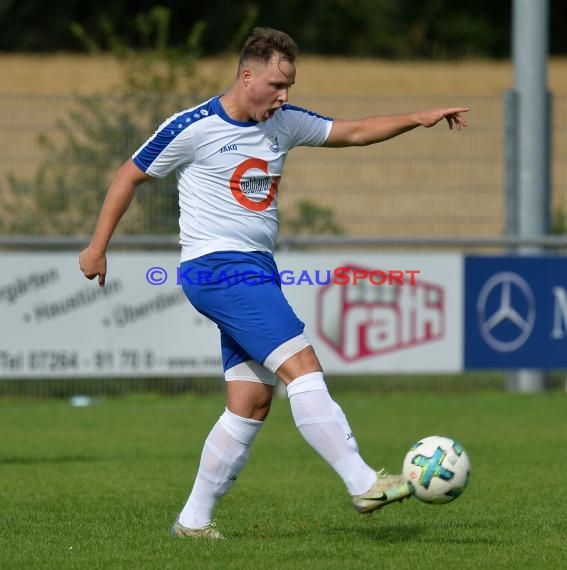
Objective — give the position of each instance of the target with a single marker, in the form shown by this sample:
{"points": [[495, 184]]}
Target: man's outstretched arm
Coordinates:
{"points": [[92, 260], [370, 130]]}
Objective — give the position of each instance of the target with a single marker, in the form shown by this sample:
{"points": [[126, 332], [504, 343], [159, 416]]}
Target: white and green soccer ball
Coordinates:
{"points": [[437, 468]]}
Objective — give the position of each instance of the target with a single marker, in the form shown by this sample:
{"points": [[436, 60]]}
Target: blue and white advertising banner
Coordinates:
{"points": [[516, 312], [364, 313]]}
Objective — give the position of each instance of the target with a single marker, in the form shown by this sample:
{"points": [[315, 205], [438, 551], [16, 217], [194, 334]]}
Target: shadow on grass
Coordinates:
{"points": [[31, 460], [387, 533], [398, 533], [406, 532]]}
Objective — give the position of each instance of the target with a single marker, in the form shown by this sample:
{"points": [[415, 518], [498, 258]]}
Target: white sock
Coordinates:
{"points": [[324, 426], [224, 455]]}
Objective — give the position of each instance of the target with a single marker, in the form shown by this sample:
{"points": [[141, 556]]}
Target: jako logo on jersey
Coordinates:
{"points": [[255, 192], [364, 320], [228, 148]]}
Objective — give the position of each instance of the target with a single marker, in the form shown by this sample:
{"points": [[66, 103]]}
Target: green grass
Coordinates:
{"points": [[98, 487]]}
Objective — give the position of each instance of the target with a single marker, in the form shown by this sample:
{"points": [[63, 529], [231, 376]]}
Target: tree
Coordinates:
{"points": [[378, 28]]}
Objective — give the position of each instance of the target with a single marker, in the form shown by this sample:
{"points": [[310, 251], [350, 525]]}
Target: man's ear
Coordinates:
{"points": [[246, 75]]}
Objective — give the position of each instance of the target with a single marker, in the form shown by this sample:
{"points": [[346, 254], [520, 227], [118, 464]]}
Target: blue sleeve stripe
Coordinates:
{"points": [[147, 154], [288, 107]]}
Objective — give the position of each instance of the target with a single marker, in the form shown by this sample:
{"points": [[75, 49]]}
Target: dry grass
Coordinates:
{"points": [[430, 182], [65, 73]]}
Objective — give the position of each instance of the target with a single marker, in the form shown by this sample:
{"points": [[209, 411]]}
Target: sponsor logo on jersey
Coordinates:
{"points": [[254, 192], [256, 185]]}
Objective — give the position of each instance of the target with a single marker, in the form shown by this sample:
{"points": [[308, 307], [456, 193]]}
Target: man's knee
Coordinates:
{"points": [[250, 400], [303, 362]]}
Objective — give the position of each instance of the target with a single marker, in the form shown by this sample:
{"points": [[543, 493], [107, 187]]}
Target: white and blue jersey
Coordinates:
{"points": [[228, 173]]}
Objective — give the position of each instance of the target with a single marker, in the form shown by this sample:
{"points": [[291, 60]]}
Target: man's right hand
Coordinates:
{"points": [[93, 264]]}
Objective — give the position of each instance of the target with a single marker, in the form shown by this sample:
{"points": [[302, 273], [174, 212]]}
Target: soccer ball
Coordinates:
{"points": [[437, 468]]}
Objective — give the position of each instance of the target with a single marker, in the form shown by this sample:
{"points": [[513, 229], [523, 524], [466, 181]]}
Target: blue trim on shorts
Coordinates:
{"points": [[252, 313]]}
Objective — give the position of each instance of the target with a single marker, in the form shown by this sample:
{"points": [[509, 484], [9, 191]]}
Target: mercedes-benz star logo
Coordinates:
{"points": [[519, 321]]}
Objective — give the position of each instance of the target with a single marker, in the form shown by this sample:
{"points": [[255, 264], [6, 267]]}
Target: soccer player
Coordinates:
{"points": [[229, 154]]}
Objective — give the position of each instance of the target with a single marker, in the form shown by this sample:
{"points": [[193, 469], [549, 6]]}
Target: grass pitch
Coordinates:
{"points": [[99, 487]]}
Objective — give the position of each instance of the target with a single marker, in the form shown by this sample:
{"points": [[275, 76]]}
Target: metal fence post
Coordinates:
{"points": [[530, 49]]}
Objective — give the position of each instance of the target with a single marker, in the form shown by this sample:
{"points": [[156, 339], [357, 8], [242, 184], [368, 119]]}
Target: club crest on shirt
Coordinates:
{"points": [[272, 141]]}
